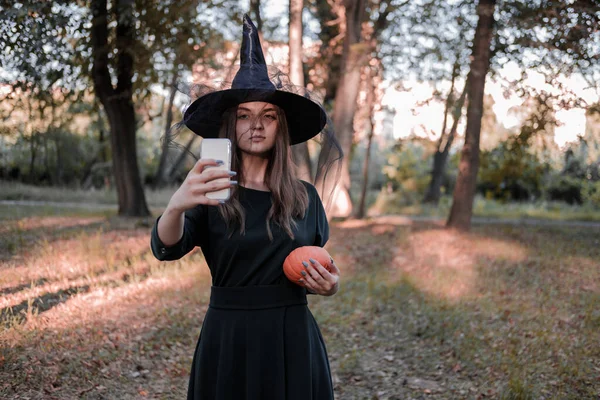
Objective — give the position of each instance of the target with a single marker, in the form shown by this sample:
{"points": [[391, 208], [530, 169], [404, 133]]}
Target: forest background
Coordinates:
{"points": [[465, 222], [89, 88]]}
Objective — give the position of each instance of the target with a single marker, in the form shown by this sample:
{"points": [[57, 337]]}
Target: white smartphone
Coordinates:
{"points": [[218, 149]]}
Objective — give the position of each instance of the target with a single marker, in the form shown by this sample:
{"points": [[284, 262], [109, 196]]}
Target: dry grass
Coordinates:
{"points": [[108, 197], [489, 208], [505, 311]]}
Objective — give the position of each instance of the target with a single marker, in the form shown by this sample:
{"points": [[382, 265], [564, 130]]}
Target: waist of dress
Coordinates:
{"points": [[256, 297]]}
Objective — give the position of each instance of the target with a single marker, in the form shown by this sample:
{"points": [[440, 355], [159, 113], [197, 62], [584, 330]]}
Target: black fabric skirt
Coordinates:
{"points": [[260, 342]]}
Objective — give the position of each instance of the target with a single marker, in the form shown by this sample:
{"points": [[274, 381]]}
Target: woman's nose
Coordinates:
{"points": [[257, 123]]}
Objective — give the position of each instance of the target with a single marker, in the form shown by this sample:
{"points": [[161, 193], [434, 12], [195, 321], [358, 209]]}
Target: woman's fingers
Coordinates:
{"points": [[317, 278], [203, 188], [322, 271], [309, 281], [210, 175], [205, 162], [217, 174], [211, 202], [335, 269]]}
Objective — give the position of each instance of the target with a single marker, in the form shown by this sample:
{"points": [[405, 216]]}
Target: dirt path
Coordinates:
{"points": [[397, 219], [58, 204]]}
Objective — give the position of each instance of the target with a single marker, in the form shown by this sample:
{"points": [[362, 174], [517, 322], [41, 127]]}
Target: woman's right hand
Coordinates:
{"points": [[198, 182]]}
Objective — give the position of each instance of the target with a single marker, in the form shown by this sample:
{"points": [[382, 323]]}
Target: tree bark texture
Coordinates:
{"points": [[255, 9], [355, 56], [299, 151], [371, 101], [440, 158], [118, 102], [328, 13], [464, 191]]}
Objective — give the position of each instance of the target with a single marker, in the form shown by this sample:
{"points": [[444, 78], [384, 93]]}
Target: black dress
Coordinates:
{"points": [[258, 340]]}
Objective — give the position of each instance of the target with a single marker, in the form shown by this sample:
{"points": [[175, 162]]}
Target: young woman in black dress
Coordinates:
{"points": [[258, 340]]}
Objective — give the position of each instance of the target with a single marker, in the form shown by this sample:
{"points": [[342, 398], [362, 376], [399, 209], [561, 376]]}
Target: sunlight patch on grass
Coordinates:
{"points": [[117, 300], [504, 311], [446, 263], [81, 255]]}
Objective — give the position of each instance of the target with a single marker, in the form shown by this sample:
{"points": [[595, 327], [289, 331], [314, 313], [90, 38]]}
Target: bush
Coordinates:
{"points": [[566, 189], [408, 169], [591, 193], [511, 172]]}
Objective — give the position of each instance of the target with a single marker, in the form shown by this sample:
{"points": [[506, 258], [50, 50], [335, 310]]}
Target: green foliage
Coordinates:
{"points": [[511, 172], [578, 182], [37, 45], [517, 389], [590, 193], [50, 41], [558, 33], [567, 189], [434, 37], [47, 64], [518, 167], [379, 154], [60, 158], [407, 169]]}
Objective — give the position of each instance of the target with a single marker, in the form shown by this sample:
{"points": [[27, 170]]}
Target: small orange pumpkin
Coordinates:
{"points": [[292, 266]]}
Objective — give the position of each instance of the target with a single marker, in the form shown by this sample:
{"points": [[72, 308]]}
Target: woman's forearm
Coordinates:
{"points": [[170, 226]]}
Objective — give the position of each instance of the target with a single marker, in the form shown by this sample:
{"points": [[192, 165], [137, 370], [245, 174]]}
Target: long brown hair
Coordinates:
{"points": [[289, 195]]}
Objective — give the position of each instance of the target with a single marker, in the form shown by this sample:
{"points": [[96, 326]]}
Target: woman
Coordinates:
{"points": [[258, 339]]}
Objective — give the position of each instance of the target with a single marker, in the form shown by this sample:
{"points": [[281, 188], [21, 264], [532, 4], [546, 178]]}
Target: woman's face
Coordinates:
{"points": [[256, 127]]}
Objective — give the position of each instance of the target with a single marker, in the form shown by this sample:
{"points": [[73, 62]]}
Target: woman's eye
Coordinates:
{"points": [[270, 116], [242, 116]]}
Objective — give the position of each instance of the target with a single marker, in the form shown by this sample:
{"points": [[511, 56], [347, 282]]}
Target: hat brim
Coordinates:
{"points": [[305, 118]]}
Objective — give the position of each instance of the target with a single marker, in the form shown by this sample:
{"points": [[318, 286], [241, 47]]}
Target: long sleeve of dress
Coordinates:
{"points": [[195, 232]]}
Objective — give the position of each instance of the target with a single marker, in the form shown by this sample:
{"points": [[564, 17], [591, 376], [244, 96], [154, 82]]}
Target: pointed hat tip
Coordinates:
{"points": [[248, 22]]}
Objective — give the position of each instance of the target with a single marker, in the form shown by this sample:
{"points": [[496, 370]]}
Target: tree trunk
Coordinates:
{"points": [[371, 106], [327, 13], [299, 151], [86, 178], [47, 169], [57, 135], [59, 160], [118, 102], [33, 150], [160, 177], [101, 133], [355, 57], [464, 192], [255, 10], [257, 19], [127, 180], [433, 192], [440, 158], [102, 145]]}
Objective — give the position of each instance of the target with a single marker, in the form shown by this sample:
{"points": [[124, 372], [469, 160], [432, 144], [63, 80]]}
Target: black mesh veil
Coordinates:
{"points": [[206, 104], [301, 110]]}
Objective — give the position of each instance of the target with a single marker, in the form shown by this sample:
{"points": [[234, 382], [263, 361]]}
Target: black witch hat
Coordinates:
{"points": [[305, 117]]}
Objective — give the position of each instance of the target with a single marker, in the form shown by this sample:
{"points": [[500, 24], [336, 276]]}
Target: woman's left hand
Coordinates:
{"points": [[318, 280]]}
